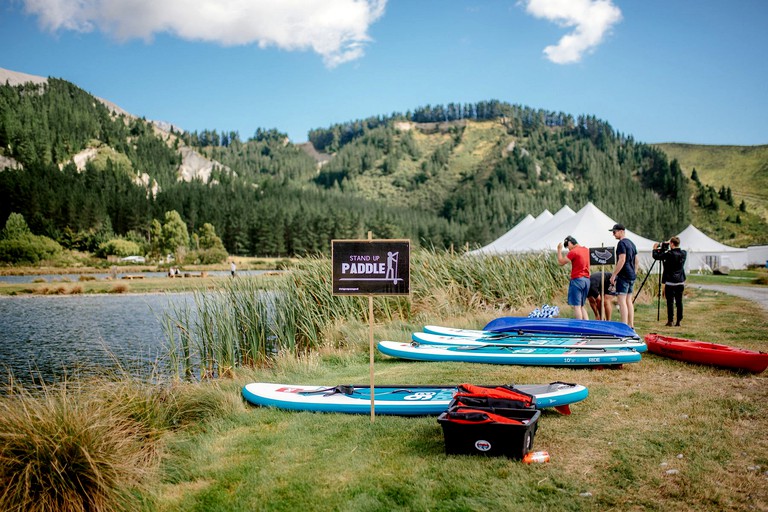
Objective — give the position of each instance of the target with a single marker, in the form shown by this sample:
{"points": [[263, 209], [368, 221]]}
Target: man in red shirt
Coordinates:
{"points": [[578, 288]]}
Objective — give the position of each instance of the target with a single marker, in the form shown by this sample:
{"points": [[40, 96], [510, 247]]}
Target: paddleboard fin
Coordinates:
{"points": [[563, 409]]}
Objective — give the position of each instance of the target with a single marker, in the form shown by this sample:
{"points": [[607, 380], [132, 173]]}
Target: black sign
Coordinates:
{"points": [[371, 267], [602, 255]]}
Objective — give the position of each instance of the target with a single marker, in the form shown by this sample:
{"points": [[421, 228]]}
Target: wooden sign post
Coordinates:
{"points": [[371, 267]]}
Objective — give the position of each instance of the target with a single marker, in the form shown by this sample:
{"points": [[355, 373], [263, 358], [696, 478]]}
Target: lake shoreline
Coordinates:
{"points": [[155, 284]]}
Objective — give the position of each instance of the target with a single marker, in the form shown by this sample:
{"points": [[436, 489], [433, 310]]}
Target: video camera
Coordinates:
{"points": [[664, 247]]}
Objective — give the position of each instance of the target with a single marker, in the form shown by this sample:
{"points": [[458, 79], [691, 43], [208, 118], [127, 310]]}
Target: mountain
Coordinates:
{"points": [[193, 165], [80, 169]]}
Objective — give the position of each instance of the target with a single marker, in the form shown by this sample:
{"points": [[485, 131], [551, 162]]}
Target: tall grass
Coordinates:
{"points": [[60, 452], [94, 444], [243, 325]]}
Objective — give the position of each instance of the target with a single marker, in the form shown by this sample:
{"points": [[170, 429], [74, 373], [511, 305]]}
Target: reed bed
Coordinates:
{"points": [[242, 325]]}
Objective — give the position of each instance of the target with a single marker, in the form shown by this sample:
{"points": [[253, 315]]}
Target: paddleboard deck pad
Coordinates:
{"points": [[393, 400], [495, 354], [524, 340]]}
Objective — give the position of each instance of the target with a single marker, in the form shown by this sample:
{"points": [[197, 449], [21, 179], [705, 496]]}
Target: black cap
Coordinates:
{"points": [[617, 227], [569, 238]]}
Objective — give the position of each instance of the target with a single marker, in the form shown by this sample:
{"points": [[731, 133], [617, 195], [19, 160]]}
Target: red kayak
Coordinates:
{"points": [[702, 352]]}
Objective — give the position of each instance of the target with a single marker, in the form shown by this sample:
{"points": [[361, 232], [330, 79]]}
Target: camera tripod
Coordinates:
{"points": [[658, 299]]}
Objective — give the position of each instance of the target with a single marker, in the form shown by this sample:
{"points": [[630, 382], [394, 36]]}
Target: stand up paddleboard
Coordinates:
{"points": [[525, 340], [393, 400], [560, 326], [496, 354]]}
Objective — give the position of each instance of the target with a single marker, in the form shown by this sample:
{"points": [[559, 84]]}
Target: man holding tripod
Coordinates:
{"points": [[673, 275]]}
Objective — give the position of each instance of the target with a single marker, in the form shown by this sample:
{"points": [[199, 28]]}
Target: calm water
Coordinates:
{"points": [[45, 337]]}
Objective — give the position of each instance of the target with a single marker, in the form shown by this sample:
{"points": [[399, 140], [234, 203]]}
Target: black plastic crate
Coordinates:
{"points": [[479, 432]]}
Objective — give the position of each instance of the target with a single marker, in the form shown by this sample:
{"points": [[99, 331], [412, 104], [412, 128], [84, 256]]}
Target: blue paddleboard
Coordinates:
{"points": [[560, 326], [395, 400]]}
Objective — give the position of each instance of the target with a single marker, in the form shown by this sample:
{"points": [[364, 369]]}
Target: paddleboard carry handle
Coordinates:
{"points": [[344, 389]]}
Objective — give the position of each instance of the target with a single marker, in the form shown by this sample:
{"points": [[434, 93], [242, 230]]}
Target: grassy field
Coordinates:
{"points": [[142, 284], [654, 435], [658, 435]]}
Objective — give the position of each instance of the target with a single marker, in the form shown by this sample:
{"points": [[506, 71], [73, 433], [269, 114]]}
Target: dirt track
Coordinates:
{"points": [[758, 294]]}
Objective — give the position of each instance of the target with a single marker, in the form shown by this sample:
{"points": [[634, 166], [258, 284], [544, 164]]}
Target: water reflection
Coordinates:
{"points": [[45, 337]]}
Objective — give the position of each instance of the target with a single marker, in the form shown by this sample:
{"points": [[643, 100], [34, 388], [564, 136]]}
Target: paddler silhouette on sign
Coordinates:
{"points": [[392, 266]]}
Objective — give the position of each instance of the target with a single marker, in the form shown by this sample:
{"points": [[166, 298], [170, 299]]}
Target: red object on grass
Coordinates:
{"points": [[702, 352]]}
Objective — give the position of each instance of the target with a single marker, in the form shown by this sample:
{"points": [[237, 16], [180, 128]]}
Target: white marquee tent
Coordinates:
{"points": [[706, 253], [590, 227]]}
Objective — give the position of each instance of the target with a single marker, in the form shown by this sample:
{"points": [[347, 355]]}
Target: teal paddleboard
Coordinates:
{"points": [[498, 354], [436, 335], [394, 400]]}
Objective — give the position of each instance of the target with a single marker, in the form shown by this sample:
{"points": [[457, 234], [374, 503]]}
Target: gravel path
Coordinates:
{"points": [[758, 294]]}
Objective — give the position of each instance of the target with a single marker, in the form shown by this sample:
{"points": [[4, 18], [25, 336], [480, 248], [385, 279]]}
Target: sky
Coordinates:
{"points": [[690, 71]]}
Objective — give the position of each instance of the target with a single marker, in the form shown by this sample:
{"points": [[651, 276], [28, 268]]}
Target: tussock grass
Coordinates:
{"points": [[94, 444], [119, 288], [60, 289], [61, 452]]}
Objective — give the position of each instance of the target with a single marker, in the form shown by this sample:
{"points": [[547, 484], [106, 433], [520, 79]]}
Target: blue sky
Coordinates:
{"points": [[660, 70]]}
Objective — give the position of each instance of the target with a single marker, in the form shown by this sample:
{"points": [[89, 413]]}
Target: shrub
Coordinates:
{"points": [[118, 247], [206, 256], [28, 249]]}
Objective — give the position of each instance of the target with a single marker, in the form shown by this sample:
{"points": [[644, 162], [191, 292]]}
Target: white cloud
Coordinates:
{"points": [[335, 29], [591, 21]]}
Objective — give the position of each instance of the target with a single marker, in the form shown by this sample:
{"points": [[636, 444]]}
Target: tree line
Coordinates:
{"points": [[268, 197]]}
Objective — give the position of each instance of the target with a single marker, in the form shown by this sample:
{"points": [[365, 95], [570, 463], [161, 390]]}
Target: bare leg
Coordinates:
{"points": [[627, 309], [580, 313], [608, 304], [594, 303]]}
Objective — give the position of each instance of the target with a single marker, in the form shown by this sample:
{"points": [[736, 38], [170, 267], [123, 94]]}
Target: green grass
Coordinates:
{"points": [[614, 452], [735, 277], [182, 446]]}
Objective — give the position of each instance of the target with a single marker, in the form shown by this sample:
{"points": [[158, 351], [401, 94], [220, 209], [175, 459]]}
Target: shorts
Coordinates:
{"points": [[624, 286], [577, 291]]}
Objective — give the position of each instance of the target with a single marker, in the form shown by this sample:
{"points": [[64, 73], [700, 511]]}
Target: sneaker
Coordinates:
{"points": [[669, 324], [677, 324]]}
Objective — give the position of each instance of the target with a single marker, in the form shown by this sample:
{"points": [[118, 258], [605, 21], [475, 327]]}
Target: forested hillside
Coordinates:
{"points": [[730, 190], [440, 175]]}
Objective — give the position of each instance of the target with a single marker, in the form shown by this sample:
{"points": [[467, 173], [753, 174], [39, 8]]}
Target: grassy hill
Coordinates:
{"points": [[742, 168]]}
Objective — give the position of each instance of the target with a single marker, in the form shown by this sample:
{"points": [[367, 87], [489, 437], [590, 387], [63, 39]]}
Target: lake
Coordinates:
{"points": [[48, 336]]}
